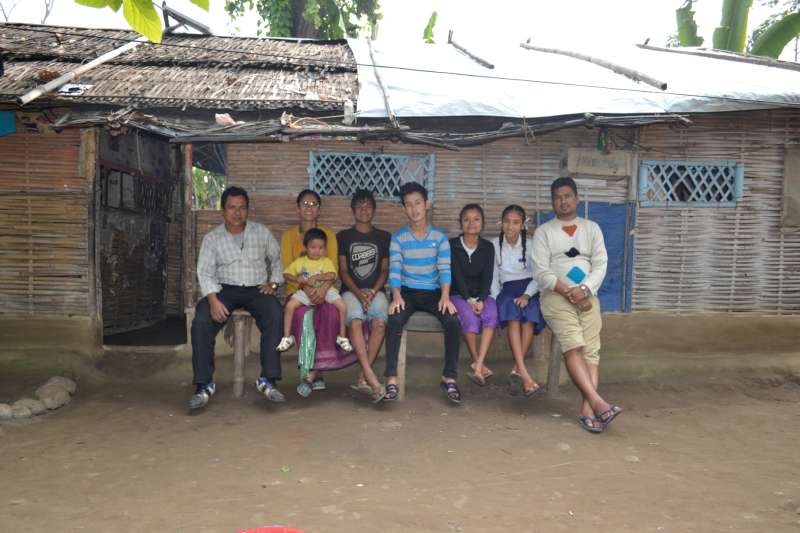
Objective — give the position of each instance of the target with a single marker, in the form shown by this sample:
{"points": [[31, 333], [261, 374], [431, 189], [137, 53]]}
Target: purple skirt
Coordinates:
{"points": [[326, 326], [507, 310]]}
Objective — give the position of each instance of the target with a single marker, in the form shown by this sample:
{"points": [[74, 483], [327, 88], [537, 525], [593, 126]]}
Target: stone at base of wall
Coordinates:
{"points": [[77, 333]]}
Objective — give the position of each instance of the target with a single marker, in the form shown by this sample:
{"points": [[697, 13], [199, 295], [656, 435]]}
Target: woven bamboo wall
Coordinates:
{"points": [[43, 223], [725, 259]]}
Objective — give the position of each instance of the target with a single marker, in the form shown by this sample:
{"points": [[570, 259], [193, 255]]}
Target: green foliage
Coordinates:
{"points": [[775, 38], [768, 39], [427, 34], [141, 16], [207, 189], [687, 27], [781, 9], [731, 34], [322, 19]]}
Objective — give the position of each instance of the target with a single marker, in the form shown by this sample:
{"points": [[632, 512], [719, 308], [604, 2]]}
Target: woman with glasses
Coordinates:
{"points": [[328, 356]]}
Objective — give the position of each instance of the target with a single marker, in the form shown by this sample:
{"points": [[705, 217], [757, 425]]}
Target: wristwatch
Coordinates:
{"points": [[274, 286], [586, 290]]}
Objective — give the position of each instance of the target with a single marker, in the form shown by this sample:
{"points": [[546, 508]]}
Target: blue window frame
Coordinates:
{"points": [[690, 183], [341, 173]]}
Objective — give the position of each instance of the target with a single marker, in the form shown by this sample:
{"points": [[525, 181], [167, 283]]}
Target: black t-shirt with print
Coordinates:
{"points": [[364, 253]]}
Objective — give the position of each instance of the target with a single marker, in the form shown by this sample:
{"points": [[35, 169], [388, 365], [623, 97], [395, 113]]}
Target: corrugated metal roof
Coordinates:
{"points": [[194, 71]]}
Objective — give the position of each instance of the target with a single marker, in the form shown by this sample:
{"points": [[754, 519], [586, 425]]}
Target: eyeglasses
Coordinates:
{"points": [[309, 203]]}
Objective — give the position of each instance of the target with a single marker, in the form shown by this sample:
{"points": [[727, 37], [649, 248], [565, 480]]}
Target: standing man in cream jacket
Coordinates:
{"points": [[570, 262]]}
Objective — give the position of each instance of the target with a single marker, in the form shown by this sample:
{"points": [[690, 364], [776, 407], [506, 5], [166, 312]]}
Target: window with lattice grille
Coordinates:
{"points": [[690, 183], [341, 173]]}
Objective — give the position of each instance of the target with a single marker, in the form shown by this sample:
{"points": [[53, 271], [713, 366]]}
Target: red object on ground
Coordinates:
{"points": [[270, 529]]}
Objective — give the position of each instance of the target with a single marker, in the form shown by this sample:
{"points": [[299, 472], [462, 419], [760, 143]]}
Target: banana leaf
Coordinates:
{"points": [[774, 39], [731, 34], [687, 27], [427, 34]]}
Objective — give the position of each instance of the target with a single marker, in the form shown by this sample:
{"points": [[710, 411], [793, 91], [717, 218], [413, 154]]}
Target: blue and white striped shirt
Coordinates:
{"points": [[419, 263]]}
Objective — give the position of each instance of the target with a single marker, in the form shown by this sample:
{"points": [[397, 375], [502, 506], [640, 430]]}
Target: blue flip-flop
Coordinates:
{"points": [[606, 417], [584, 422]]}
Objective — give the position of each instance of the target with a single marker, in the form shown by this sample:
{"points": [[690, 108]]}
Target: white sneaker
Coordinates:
{"points": [[344, 344], [286, 343]]}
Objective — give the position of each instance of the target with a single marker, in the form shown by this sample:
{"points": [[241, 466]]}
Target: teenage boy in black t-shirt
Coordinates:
{"points": [[364, 268]]}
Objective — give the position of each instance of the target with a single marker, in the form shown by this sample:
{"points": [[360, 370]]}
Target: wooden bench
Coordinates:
{"points": [[421, 322], [427, 323]]}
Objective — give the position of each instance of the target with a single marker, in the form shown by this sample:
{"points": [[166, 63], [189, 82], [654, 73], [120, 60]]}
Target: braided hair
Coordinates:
{"points": [[523, 235]]}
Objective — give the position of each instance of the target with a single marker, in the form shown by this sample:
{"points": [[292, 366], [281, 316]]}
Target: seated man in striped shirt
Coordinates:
{"points": [[419, 278]]}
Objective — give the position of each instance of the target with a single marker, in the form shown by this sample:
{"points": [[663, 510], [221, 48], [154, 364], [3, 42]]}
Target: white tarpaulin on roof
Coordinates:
{"points": [[437, 80]]}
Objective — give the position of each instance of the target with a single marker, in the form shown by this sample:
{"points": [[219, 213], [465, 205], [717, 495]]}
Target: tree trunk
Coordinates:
{"points": [[300, 26]]}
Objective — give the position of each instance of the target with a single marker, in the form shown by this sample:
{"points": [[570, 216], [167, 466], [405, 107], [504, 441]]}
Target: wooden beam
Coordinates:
{"points": [[88, 169], [188, 230]]}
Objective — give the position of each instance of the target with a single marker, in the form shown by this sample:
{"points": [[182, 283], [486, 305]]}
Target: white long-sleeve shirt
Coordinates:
{"points": [[550, 246], [229, 260], [508, 265]]}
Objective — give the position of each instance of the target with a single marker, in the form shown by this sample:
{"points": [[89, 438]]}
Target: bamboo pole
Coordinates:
{"points": [[619, 69], [51, 85], [478, 60], [384, 92], [727, 56]]}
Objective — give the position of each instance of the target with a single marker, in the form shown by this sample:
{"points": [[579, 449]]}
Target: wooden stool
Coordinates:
{"points": [[242, 326], [419, 321]]}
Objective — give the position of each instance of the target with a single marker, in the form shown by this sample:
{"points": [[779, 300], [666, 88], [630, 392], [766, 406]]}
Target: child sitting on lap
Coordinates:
{"points": [[312, 269]]}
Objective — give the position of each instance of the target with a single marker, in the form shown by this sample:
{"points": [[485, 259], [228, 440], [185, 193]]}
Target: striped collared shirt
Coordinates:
{"points": [[419, 263], [223, 260]]}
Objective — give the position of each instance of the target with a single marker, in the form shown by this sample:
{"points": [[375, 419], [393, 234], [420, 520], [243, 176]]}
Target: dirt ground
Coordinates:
{"points": [[689, 454]]}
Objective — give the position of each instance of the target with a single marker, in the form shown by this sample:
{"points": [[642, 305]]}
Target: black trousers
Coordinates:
{"points": [[266, 311], [421, 300]]}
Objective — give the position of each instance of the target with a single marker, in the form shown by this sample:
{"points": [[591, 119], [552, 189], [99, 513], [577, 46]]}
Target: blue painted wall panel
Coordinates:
{"points": [[612, 218]]}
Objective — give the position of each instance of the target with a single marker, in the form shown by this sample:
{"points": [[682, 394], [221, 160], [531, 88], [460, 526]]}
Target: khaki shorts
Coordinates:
{"points": [[574, 328], [331, 296]]}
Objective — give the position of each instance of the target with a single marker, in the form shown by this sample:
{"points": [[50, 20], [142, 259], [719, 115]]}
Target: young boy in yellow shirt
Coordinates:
{"points": [[313, 268]]}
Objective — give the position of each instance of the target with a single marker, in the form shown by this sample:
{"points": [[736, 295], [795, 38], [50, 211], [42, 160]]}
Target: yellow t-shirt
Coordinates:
{"points": [[305, 267], [292, 248]]}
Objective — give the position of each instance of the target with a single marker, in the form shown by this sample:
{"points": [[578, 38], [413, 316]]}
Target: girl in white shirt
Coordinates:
{"points": [[517, 294]]}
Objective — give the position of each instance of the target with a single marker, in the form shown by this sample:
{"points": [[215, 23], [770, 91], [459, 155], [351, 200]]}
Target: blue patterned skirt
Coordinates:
{"points": [[508, 310]]}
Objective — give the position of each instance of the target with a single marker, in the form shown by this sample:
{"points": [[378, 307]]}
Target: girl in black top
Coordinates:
{"points": [[472, 265]]}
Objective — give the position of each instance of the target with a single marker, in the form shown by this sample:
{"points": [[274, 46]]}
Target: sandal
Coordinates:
{"points": [[590, 424], [392, 393], [451, 390], [286, 343], [344, 344], [531, 392], [378, 396], [362, 388], [476, 379], [485, 373], [606, 417], [305, 388]]}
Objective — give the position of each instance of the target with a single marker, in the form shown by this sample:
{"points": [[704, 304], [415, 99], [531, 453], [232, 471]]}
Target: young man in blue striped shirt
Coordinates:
{"points": [[419, 278]]}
